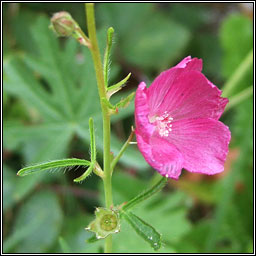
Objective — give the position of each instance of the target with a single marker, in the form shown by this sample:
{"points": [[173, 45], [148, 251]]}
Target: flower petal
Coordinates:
{"points": [[192, 95], [202, 142], [143, 126], [191, 64], [162, 84], [161, 155]]}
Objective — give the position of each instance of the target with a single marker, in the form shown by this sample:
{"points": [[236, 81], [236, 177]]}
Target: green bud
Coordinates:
{"points": [[106, 222], [63, 24]]}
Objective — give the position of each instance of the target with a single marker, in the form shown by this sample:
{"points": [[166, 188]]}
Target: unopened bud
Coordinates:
{"points": [[63, 24]]}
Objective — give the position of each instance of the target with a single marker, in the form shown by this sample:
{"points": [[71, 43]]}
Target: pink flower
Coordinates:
{"points": [[177, 122]]}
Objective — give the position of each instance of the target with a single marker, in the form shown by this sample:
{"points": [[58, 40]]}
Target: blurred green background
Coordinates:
{"points": [[50, 92]]}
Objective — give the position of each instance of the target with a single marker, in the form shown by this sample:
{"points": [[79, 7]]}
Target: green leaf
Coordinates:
{"points": [[92, 239], [236, 38], [14, 189], [19, 82], [37, 79], [108, 104], [239, 97], [143, 229], [37, 224], [93, 143], [53, 164], [240, 169], [64, 245], [76, 236], [159, 39], [146, 194], [106, 62], [192, 16], [115, 160], [166, 211], [8, 187], [121, 193], [125, 102], [85, 174], [131, 156], [118, 86]]}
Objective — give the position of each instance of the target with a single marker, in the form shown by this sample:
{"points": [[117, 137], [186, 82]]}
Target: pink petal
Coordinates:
{"points": [[141, 113], [202, 142], [162, 84], [192, 95], [191, 64], [161, 155]]}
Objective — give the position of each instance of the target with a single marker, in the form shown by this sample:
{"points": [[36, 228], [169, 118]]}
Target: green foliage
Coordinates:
{"points": [[236, 38], [167, 214], [148, 39], [118, 86], [145, 230], [64, 246], [85, 174], [37, 224], [63, 115], [53, 164], [50, 93], [146, 194], [92, 140], [14, 190]]}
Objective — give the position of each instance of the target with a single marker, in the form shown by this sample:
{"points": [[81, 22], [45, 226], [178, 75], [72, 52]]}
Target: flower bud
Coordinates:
{"points": [[63, 24]]}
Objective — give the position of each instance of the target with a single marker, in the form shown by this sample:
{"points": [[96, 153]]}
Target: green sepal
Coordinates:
{"points": [[106, 222]]}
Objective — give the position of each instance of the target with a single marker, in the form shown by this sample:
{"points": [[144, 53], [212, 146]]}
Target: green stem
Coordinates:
{"points": [[146, 194], [126, 144], [238, 74], [105, 113], [246, 93]]}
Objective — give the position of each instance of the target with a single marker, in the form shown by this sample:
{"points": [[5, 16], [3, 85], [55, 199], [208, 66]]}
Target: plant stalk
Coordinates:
{"points": [[105, 112]]}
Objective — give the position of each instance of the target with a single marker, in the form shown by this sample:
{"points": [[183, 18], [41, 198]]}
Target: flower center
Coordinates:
{"points": [[163, 124]]}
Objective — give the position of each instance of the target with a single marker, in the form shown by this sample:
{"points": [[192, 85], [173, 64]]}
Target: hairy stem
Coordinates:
{"points": [[105, 113]]}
